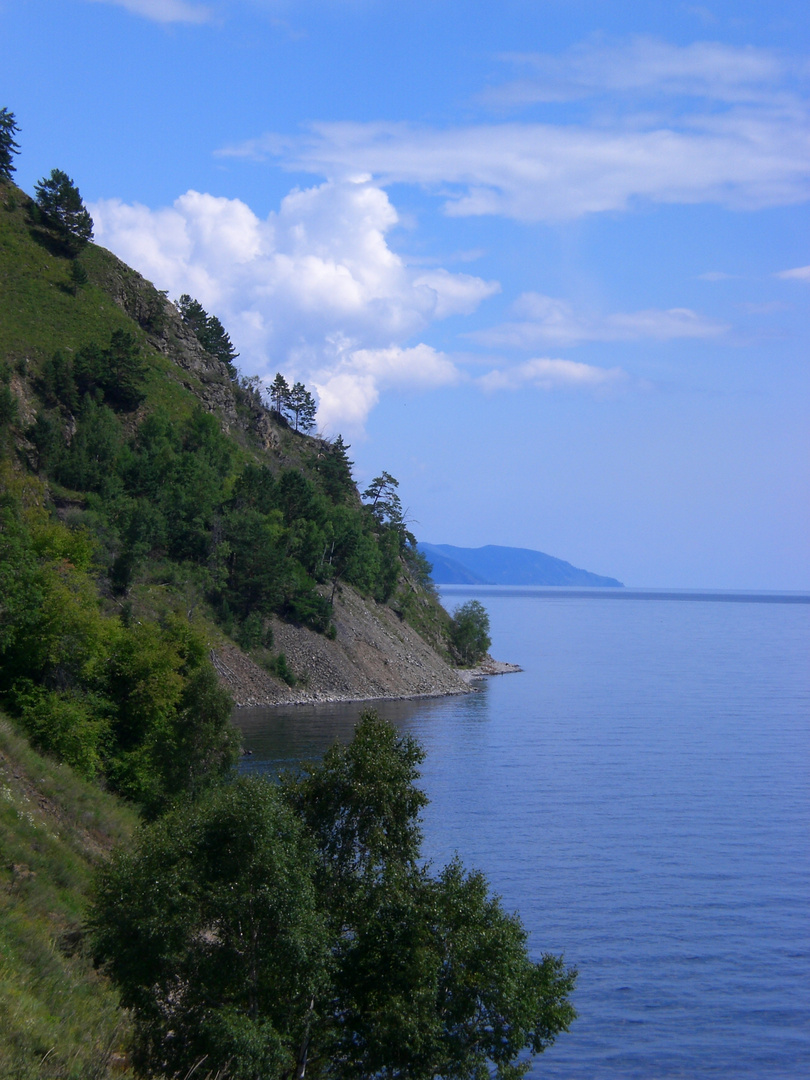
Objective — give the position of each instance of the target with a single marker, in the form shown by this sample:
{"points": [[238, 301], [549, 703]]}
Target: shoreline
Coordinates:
{"points": [[468, 676]]}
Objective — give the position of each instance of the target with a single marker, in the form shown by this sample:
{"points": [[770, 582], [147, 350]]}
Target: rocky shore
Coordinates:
{"points": [[374, 655]]}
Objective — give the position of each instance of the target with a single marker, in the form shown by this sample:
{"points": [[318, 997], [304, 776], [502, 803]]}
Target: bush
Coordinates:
{"points": [[469, 632]]}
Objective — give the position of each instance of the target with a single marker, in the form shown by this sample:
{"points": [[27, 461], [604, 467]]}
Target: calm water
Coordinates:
{"points": [[640, 794]]}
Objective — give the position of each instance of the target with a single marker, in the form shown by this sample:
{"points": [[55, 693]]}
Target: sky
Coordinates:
{"points": [[547, 263]]}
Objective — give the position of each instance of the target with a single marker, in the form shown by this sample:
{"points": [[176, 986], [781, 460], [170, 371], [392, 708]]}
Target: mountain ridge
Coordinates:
{"points": [[494, 564]]}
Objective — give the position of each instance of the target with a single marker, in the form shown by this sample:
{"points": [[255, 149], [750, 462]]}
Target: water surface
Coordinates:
{"points": [[640, 795]]}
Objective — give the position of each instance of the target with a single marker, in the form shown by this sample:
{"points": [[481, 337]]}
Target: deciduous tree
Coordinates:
{"points": [[469, 631], [264, 931]]}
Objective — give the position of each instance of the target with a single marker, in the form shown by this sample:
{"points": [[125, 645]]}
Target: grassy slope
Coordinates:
{"points": [[58, 1016], [42, 310]]}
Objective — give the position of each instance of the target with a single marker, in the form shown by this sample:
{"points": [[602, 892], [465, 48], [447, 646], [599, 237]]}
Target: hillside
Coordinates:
{"points": [[58, 1016], [494, 565], [169, 547], [254, 526]]}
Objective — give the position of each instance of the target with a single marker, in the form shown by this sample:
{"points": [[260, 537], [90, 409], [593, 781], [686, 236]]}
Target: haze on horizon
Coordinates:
{"points": [[545, 263]]}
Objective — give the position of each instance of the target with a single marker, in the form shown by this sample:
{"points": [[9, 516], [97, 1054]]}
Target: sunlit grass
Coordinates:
{"points": [[59, 1017]]}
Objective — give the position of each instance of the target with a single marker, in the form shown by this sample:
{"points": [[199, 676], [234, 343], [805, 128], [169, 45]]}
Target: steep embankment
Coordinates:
{"points": [[375, 654], [59, 1016]]}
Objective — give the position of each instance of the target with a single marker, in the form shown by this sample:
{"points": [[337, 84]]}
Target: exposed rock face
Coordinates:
{"points": [[374, 655]]}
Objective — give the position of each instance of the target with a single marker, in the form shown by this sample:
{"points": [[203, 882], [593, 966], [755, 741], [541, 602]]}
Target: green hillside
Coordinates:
{"points": [[58, 1016], [151, 506]]}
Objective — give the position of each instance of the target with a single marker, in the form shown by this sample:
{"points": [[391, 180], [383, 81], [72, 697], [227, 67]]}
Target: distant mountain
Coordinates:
{"points": [[494, 565]]}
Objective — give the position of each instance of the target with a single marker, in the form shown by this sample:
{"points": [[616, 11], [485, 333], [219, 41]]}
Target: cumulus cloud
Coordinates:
{"points": [[548, 320], [704, 123], [349, 389], [798, 273], [165, 11], [548, 374], [313, 290]]}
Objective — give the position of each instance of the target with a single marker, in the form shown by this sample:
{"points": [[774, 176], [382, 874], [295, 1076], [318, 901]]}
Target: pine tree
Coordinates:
{"points": [[302, 405], [8, 147], [279, 394], [209, 331], [61, 205]]}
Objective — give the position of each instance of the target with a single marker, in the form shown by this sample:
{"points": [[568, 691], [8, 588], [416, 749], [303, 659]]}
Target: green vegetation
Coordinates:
{"points": [[61, 209], [261, 931], [295, 404], [150, 507], [209, 331], [8, 146], [469, 632], [59, 1016]]}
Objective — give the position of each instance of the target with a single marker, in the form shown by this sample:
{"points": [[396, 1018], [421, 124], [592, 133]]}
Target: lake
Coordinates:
{"points": [[640, 795]]}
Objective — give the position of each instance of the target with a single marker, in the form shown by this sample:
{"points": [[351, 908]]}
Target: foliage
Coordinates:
{"points": [[59, 1016], [279, 393], [267, 928], [209, 331], [8, 403], [212, 932], [138, 704], [61, 206], [8, 147], [43, 311], [335, 470], [469, 632], [294, 405], [301, 405]]}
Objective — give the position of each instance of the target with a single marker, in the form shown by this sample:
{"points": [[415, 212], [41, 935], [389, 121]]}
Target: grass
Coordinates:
{"points": [[59, 1017], [43, 308]]}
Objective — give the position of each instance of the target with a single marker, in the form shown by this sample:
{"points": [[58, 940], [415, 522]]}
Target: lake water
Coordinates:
{"points": [[640, 795]]}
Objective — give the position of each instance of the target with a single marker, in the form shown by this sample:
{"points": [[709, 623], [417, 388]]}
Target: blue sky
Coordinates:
{"points": [[545, 262]]}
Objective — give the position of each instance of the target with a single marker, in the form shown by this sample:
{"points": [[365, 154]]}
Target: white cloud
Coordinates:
{"points": [[798, 273], [548, 374], [642, 65], [165, 11], [547, 172], [349, 389], [547, 320], [314, 290], [704, 123]]}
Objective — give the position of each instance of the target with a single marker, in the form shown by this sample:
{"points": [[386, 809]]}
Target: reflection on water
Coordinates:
{"points": [[279, 738]]}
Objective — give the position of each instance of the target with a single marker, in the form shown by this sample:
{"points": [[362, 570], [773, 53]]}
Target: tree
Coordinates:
{"points": [[469, 631], [302, 406], [212, 932], [8, 147], [61, 204], [383, 500], [209, 331], [279, 394], [431, 977], [335, 469], [267, 930]]}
